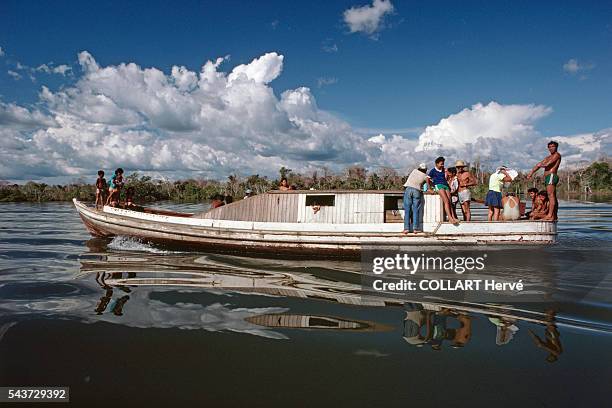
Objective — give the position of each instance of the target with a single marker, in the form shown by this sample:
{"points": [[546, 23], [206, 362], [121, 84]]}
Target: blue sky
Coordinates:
{"points": [[426, 60]]}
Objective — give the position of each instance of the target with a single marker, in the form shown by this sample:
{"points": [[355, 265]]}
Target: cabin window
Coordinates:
{"points": [[394, 202], [393, 205], [322, 322], [328, 200]]}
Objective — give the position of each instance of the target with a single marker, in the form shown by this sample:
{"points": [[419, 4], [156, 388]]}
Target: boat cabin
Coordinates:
{"points": [[324, 206]]}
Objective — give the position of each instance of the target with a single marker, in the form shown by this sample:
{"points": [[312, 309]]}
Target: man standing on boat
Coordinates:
{"points": [[466, 180], [413, 199], [550, 166]]}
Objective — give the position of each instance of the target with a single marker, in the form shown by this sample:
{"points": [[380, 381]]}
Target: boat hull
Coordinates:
{"points": [[303, 239]]}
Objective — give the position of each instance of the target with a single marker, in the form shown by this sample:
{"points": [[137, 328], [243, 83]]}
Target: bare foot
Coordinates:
{"points": [[405, 232]]}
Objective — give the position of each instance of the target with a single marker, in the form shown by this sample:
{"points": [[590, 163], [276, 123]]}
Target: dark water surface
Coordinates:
{"points": [[122, 322]]}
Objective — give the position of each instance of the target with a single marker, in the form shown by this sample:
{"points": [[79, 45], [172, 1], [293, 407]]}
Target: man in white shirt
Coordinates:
{"points": [[413, 200]]}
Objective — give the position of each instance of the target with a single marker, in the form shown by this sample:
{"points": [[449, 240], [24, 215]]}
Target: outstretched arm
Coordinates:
{"points": [[536, 168], [547, 161]]}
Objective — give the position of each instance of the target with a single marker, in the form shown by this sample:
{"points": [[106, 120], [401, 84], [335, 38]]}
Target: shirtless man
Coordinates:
{"points": [[284, 185], [217, 201], [466, 180], [551, 341], [101, 189], [550, 166], [532, 194]]}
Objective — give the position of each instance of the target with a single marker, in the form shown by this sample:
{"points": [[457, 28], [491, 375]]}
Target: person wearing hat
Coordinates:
{"points": [[493, 199], [466, 180], [413, 199], [248, 193]]}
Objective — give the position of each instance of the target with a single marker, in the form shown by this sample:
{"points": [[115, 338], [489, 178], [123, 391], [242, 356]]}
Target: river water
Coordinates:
{"points": [[120, 321]]}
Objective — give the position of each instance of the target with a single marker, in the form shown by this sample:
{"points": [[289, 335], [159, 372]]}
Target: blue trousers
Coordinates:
{"points": [[413, 202]]}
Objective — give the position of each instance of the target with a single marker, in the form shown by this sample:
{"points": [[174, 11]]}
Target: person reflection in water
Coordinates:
{"points": [[551, 342], [435, 327], [505, 329], [104, 301], [440, 332], [413, 324], [117, 308]]}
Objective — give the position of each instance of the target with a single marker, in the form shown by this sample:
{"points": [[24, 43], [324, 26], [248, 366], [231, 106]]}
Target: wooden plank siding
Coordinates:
{"points": [[349, 208], [261, 208], [433, 210]]}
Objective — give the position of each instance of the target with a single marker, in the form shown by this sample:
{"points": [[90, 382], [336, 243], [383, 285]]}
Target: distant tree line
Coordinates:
{"points": [[596, 178]]}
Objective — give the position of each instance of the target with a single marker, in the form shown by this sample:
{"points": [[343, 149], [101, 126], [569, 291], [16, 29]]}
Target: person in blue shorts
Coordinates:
{"points": [[493, 200], [440, 185]]}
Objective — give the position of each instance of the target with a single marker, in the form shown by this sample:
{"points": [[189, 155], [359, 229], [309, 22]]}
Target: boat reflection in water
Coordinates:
{"points": [[298, 321], [431, 323]]}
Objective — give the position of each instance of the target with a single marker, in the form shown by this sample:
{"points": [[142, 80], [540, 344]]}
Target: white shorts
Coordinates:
{"points": [[464, 196]]}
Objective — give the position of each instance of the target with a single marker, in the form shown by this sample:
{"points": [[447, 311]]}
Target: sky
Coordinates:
{"points": [[208, 89]]}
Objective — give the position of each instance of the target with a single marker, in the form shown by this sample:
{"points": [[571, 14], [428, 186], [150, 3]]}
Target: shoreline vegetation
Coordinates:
{"points": [[594, 180]]}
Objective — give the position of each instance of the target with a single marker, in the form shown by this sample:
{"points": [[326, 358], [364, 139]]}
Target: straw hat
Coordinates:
{"points": [[459, 163]]}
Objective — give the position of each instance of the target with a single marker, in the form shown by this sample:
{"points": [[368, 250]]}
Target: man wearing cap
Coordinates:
{"points": [[413, 199], [466, 180]]}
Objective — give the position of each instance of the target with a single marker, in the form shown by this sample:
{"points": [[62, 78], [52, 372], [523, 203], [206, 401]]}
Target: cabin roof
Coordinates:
{"points": [[336, 192]]}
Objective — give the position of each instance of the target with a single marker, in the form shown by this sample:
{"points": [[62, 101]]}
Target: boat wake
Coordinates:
{"points": [[132, 244]]}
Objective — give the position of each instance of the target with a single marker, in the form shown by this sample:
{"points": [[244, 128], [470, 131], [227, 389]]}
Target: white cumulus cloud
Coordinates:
{"points": [[213, 123], [209, 122], [18, 117], [582, 149], [368, 19], [491, 121], [263, 70], [62, 69], [15, 75], [573, 67], [491, 133], [497, 134]]}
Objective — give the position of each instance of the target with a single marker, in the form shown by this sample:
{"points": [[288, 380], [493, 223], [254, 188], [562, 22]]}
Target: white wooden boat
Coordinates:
{"points": [[309, 223]]}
